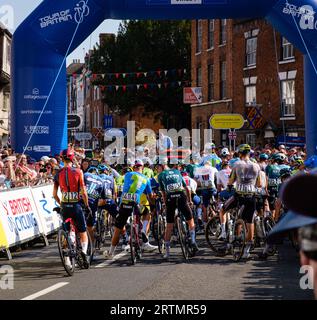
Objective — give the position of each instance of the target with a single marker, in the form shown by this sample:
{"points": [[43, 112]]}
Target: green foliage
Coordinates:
{"points": [[147, 46]]}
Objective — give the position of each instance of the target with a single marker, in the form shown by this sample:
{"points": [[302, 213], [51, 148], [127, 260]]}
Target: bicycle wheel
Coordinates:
{"points": [[268, 224], [161, 233], [239, 239], [90, 249], [212, 233], [66, 251], [182, 235], [132, 243]]}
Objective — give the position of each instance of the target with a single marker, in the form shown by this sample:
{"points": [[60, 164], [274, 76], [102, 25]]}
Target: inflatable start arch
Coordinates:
{"points": [[57, 27]]}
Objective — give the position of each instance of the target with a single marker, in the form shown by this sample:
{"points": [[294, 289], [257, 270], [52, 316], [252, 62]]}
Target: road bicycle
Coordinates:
{"points": [[69, 246], [235, 231], [100, 230], [135, 238], [183, 233], [159, 224]]}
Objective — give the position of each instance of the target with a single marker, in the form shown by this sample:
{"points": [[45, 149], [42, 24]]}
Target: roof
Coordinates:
{"points": [[74, 68]]}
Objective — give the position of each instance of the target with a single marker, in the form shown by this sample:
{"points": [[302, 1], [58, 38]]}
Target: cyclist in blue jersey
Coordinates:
{"points": [[108, 194], [135, 184], [94, 186], [211, 156]]}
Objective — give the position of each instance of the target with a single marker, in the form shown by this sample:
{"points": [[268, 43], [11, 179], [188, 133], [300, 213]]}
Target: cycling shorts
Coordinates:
{"points": [[207, 194], [125, 211], [239, 200], [75, 212], [177, 200]]}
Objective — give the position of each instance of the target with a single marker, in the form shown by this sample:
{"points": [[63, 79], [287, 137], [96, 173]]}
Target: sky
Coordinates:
{"points": [[22, 8]]}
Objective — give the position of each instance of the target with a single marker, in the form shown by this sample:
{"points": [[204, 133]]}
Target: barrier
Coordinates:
{"points": [[45, 203], [27, 214]]}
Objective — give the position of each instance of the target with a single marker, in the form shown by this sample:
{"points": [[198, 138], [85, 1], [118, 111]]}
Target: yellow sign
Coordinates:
{"points": [[3, 238], [226, 121]]}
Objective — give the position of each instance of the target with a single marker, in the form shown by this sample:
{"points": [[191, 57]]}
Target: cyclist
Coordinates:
{"points": [[71, 182], [211, 156], [205, 176], [273, 174], [135, 183], [246, 174], [263, 159], [174, 188]]}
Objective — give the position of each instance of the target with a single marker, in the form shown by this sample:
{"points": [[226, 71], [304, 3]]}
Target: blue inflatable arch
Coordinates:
{"points": [[57, 27]]}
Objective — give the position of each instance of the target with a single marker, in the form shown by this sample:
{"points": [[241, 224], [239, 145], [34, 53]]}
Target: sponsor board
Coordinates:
{"points": [[45, 203], [19, 216], [193, 95]]}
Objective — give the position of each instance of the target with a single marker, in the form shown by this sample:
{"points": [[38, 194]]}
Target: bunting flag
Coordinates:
{"points": [[145, 86], [138, 74]]}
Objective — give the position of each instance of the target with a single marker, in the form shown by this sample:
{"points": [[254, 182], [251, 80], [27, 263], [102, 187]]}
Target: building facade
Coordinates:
{"points": [[246, 67], [5, 76]]}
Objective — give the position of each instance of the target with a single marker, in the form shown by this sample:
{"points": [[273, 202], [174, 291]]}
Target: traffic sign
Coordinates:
{"points": [[226, 121], [73, 121], [82, 136], [232, 135], [115, 132]]}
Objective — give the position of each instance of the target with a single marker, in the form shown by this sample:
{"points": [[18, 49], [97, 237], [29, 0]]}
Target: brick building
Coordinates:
{"points": [[245, 67], [5, 76]]}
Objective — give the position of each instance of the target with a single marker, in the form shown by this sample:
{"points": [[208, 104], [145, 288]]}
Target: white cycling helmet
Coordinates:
{"points": [[225, 152]]}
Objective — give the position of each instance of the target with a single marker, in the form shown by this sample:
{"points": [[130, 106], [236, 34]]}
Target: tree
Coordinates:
{"points": [[147, 46]]}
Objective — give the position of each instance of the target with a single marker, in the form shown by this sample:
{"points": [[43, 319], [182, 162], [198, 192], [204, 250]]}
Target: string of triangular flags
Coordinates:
{"points": [[124, 75], [145, 86]]}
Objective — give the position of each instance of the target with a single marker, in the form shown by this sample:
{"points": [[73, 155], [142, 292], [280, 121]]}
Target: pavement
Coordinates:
{"points": [[39, 275]]}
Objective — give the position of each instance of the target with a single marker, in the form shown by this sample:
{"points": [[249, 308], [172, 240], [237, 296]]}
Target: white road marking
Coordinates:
{"points": [[110, 261], [46, 291]]}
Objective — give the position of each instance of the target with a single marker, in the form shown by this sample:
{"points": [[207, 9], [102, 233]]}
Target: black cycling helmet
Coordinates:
{"points": [[280, 157], [285, 172]]}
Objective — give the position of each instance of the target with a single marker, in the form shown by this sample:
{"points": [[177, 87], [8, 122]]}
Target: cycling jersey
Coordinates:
{"points": [[148, 172], [223, 177], [171, 181], [108, 186], [206, 176], [191, 184], [70, 181], [273, 173], [246, 173], [214, 160], [135, 184], [94, 187]]}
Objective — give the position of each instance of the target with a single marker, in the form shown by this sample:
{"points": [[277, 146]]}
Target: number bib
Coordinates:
{"points": [[70, 196]]}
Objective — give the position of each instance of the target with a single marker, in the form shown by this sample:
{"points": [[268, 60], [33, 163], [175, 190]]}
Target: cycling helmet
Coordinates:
{"points": [[102, 168], [68, 154], [264, 156], [138, 163], [210, 146], [224, 152], [93, 170], [280, 157], [285, 172], [299, 162], [244, 148]]}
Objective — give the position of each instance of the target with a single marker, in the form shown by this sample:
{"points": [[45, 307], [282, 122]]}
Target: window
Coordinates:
{"points": [[223, 78], [6, 101], [250, 95], [198, 77], [251, 46], [288, 98], [223, 31], [199, 35], [287, 49], [211, 29], [251, 139], [211, 94]]}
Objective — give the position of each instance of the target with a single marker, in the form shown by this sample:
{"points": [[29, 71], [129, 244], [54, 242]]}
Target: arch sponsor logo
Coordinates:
{"points": [[77, 14], [36, 95], [186, 1], [305, 13]]}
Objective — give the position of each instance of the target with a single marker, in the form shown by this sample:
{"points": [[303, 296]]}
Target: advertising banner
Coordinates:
{"points": [[45, 203], [18, 217]]}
